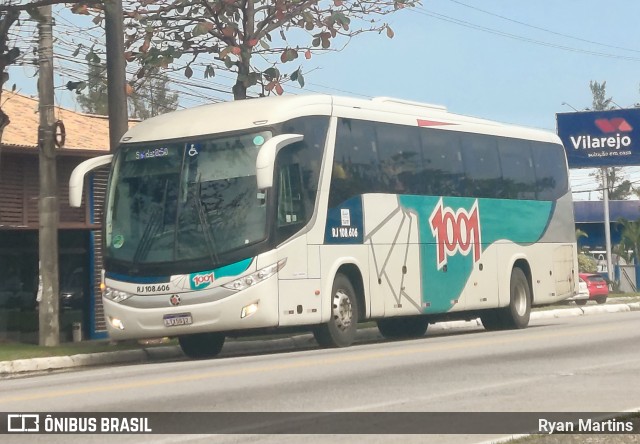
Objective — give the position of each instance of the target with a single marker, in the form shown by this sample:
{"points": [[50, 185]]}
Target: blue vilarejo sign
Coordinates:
{"points": [[601, 138]]}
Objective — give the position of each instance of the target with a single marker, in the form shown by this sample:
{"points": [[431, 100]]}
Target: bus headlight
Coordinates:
{"points": [[116, 295], [257, 277]]}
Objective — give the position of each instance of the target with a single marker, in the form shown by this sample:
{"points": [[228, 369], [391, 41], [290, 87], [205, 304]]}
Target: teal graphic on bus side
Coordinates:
{"points": [[202, 279], [455, 231]]}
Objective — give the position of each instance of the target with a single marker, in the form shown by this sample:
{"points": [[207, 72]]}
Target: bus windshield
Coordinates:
{"points": [[185, 201]]}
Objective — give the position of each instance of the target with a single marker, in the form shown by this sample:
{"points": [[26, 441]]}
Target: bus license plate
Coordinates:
{"points": [[175, 320]]}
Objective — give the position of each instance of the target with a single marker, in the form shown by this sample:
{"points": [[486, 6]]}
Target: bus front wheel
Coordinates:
{"points": [[201, 345], [340, 331]]}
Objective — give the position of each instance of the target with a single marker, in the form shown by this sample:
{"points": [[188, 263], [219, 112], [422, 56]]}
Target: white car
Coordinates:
{"points": [[583, 292]]}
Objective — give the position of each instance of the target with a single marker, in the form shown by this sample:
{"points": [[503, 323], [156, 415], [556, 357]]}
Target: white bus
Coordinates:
{"points": [[319, 212]]}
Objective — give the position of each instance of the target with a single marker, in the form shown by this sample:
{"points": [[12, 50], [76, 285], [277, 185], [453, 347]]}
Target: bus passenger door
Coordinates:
{"points": [[299, 303]]}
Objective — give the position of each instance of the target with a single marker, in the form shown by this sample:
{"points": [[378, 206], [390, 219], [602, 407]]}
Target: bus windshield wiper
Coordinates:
{"points": [[146, 240], [204, 222]]}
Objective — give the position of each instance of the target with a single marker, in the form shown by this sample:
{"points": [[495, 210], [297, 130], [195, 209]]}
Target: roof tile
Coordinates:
{"points": [[83, 131]]}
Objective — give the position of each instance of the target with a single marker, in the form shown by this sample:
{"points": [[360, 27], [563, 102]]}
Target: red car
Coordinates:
{"points": [[597, 286]]}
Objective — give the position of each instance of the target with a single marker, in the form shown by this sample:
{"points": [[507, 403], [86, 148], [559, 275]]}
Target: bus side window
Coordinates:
{"points": [[549, 163], [356, 169], [443, 171], [519, 180], [483, 175], [400, 157]]}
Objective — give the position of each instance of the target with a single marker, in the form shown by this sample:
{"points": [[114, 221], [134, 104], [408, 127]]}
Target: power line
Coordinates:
{"points": [[539, 28], [467, 24]]}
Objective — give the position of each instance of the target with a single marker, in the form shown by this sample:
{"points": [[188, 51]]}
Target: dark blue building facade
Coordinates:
{"points": [[589, 217]]}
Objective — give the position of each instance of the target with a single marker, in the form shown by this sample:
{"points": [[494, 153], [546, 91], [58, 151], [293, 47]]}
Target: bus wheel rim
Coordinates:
{"points": [[342, 310], [520, 300]]}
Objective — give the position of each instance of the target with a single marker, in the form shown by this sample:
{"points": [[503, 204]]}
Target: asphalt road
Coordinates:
{"points": [[585, 364]]}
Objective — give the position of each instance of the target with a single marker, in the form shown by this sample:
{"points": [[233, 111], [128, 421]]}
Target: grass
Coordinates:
{"points": [[11, 350]]}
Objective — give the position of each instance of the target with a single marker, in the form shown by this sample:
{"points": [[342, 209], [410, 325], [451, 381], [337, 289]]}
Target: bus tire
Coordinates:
{"points": [[517, 314], [491, 319], [340, 331], [201, 345], [403, 327]]}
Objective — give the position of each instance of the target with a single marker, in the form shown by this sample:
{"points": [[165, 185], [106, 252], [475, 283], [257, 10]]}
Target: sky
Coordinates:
{"points": [[512, 61]]}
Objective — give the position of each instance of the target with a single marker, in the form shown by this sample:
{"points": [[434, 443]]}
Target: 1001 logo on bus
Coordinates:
{"points": [[456, 232]]}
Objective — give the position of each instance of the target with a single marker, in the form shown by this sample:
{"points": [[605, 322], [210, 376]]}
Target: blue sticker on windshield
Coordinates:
{"points": [[118, 241], [258, 140]]}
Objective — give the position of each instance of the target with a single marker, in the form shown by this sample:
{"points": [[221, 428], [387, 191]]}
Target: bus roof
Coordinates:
{"points": [[261, 112]]}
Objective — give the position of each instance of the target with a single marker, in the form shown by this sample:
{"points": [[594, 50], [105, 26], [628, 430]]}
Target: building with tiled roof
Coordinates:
{"points": [[79, 239], [83, 132]]}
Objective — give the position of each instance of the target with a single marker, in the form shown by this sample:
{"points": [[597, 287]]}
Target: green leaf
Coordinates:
{"points": [[209, 72], [253, 78], [297, 76], [271, 73], [92, 57], [12, 55], [202, 28], [188, 72]]}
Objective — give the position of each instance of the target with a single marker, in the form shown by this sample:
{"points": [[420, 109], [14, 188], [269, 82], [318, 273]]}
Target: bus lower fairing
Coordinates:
{"points": [[181, 311]]}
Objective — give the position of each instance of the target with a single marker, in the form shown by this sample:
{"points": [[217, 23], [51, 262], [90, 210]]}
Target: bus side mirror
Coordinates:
{"points": [[266, 159], [76, 181]]}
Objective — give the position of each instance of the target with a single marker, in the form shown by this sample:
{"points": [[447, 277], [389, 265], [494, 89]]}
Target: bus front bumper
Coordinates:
{"points": [[253, 307]]}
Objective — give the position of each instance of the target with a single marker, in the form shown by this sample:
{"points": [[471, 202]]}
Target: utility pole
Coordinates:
{"points": [[607, 223], [48, 202], [116, 75]]}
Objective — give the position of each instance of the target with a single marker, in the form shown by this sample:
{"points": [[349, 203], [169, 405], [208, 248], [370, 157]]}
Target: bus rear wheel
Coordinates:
{"points": [[201, 345], [403, 327], [517, 314], [340, 331]]}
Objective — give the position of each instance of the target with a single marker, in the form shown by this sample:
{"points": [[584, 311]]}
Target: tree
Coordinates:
{"points": [[8, 55], [153, 96], [94, 100], [619, 187], [630, 239], [247, 38], [600, 100], [587, 264], [10, 11]]}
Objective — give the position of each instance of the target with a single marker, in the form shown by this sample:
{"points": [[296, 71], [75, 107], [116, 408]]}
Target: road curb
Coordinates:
{"points": [[233, 347]]}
